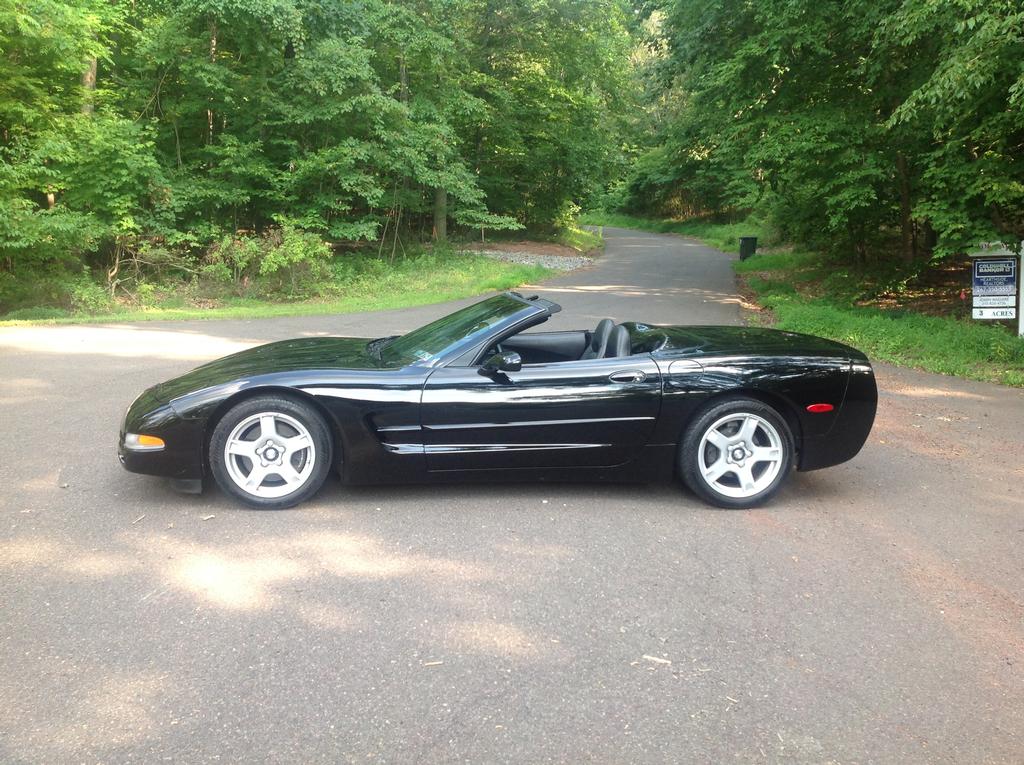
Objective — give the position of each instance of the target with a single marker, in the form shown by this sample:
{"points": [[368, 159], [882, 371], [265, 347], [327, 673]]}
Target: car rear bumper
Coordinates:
{"points": [[852, 426]]}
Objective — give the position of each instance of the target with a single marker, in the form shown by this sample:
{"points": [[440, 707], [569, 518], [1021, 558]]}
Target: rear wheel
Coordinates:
{"points": [[271, 452], [737, 453]]}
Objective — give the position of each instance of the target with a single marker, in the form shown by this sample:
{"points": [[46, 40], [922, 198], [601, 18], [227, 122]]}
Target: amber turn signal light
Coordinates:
{"points": [[142, 443]]}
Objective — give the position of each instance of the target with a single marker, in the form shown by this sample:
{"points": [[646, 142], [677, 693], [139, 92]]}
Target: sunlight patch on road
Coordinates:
{"points": [[248, 578], [124, 342], [921, 391], [99, 565], [28, 552], [631, 290], [23, 390], [234, 583], [491, 638], [358, 556], [326, 617], [43, 482]]}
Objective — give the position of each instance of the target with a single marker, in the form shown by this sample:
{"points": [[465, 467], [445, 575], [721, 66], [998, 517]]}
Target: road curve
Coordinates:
{"points": [[873, 613]]}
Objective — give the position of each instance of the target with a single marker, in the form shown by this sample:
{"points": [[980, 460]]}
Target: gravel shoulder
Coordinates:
{"points": [[556, 257], [554, 262]]}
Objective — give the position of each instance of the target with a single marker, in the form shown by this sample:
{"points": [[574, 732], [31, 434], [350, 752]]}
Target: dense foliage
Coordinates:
{"points": [[229, 139], [868, 128], [242, 142]]}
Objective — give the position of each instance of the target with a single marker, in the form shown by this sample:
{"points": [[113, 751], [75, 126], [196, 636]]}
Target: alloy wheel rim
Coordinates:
{"points": [[740, 455], [269, 455]]}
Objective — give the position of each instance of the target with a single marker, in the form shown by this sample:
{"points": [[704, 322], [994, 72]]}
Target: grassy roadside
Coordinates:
{"points": [[359, 281], [573, 236], [371, 285], [939, 344], [579, 239], [805, 292]]}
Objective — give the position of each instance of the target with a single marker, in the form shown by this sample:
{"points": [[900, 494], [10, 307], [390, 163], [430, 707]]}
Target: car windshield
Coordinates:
{"points": [[426, 343]]}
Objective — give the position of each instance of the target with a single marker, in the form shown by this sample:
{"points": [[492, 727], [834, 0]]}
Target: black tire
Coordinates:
{"points": [[293, 449], [747, 481]]}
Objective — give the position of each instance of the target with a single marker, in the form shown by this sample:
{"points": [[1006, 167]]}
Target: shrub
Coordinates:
{"points": [[146, 293], [284, 261], [218, 272], [86, 296], [238, 256], [39, 313], [295, 260]]}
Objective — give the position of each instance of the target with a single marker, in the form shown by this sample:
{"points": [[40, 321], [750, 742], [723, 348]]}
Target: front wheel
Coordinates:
{"points": [[737, 453], [270, 452]]}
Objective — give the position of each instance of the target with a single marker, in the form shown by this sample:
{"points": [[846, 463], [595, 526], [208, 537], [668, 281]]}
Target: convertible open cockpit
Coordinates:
{"points": [[605, 341]]}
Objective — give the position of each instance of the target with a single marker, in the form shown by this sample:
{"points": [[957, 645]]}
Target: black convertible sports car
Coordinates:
{"points": [[732, 410]]}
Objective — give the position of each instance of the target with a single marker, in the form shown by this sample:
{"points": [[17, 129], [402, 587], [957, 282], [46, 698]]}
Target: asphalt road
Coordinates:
{"points": [[872, 613]]}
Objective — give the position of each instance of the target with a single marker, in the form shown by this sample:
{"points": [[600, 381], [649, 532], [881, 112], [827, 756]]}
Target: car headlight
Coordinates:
{"points": [[139, 442]]}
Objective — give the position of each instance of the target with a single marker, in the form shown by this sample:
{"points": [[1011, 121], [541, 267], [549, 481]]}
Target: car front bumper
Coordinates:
{"points": [[182, 454]]}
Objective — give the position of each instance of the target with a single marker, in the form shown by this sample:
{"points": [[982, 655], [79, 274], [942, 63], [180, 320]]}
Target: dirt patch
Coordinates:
{"points": [[751, 312], [942, 290]]}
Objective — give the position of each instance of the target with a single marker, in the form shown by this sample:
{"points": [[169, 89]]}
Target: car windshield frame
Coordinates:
{"points": [[453, 334]]}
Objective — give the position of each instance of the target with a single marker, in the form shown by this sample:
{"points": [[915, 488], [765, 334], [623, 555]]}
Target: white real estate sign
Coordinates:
{"points": [[994, 301], [996, 286], [994, 313]]}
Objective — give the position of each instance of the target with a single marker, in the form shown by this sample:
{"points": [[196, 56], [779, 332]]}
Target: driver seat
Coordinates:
{"points": [[599, 340], [620, 344]]}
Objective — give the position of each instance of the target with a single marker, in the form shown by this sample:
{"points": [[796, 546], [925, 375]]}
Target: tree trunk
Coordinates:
{"points": [[403, 81], [930, 236], [213, 60], [440, 215], [907, 249], [89, 84]]}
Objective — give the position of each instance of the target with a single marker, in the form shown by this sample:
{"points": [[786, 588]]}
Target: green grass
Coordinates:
{"points": [[369, 284], [805, 293], [579, 239], [778, 261], [721, 236], [569, 236], [933, 343]]}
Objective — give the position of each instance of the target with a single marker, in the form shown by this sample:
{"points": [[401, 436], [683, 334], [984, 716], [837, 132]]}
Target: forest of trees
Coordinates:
{"points": [[871, 129], [204, 134], [152, 130]]}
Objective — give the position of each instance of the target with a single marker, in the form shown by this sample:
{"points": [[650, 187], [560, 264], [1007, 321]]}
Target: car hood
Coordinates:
{"points": [[274, 358], [721, 341]]}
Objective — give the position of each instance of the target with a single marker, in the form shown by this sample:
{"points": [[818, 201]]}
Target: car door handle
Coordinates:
{"points": [[628, 376]]}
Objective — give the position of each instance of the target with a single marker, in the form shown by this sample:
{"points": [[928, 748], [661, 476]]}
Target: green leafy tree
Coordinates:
{"points": [[132, 129], [862, 127]]}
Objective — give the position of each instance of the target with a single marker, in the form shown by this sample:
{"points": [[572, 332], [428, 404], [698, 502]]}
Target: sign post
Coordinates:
{"points": [[996, 289]]}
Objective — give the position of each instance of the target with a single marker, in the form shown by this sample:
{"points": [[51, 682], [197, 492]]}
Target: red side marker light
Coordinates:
{"points": [[820, 408]]}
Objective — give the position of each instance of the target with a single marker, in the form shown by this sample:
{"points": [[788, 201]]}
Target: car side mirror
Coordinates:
{"points": [[506, 361]]}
